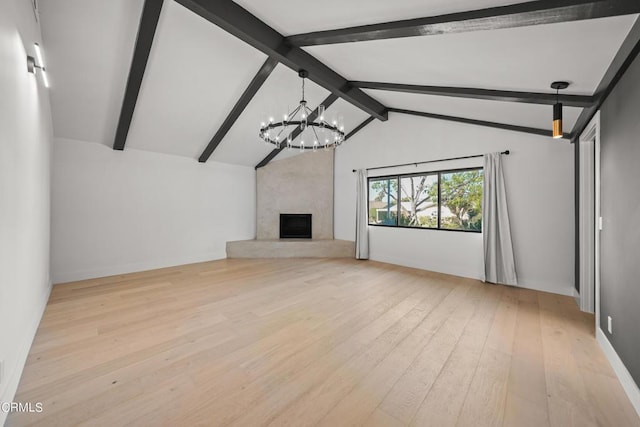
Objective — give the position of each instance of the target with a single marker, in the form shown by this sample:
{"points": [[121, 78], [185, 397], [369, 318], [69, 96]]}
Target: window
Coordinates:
{"points": [[419, 201], [383, 200], [461, 200], [447, 200]]}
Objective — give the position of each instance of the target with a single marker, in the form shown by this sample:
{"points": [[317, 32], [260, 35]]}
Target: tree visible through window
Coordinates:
{"points": [[383, 200], [448, 200], [419, 203], [461, 196]]}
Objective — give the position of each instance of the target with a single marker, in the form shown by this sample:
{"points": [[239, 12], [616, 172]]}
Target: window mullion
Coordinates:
{"points": [[398, 199], [439, 200]]}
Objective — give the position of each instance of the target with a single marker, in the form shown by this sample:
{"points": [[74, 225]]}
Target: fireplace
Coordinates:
{"points": [[295, 226]]}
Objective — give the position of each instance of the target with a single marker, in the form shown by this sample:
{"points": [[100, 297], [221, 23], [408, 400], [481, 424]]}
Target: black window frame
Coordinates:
{"points": [[439, 174]]}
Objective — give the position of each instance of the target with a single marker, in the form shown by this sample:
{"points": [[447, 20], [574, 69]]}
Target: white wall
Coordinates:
{"points": [[115, 212], [25, 138], [539, 180]]}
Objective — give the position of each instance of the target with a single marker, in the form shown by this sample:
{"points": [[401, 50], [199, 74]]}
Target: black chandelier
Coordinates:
{"points": [[321, 135]]}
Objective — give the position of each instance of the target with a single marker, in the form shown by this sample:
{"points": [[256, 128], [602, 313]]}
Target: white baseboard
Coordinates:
{"points": [[72, 276], [628, 384], [468, 274], [24, 347], [553, 288]]}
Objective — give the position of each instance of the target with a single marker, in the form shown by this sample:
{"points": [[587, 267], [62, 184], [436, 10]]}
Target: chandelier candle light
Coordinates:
{"points": [[319, 133]]}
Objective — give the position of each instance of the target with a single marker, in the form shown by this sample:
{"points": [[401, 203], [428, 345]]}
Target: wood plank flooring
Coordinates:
{"points": [[305, 342]]}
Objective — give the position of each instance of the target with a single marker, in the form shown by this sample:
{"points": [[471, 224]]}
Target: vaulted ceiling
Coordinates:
{"points": [[198, 69]]}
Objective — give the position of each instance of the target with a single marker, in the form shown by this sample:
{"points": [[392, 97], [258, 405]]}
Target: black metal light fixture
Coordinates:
{"points": [[32, 65], [314, 129], [557, 109]]}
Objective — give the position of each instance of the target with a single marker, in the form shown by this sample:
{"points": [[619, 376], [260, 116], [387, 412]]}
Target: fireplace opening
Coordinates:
{"points": [[295, 226]]}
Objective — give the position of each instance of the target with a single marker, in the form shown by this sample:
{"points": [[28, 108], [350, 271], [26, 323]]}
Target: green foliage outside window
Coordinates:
{"points": [[414, 200], [461, 193]]}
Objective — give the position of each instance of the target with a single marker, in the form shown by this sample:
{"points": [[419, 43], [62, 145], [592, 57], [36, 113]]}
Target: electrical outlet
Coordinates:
{"points": [[609, 326]]}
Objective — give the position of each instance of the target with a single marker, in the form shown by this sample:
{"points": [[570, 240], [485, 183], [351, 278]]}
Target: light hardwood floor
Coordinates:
{"points": [[315, 342]]}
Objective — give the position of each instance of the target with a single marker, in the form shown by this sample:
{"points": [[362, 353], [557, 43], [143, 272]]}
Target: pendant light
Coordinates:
{"points": [[557, 109]]}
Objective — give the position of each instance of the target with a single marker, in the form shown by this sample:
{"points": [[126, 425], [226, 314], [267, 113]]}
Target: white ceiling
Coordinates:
{"points": [[346, 113], [88, 47], [196, 71], [195, 74], [521, 59], [289, 17]]}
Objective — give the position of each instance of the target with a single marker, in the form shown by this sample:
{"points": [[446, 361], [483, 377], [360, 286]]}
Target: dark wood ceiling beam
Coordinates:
{"points": [[511, 16], [514, 128], [359, 127], [146, 32], [627, 53], [297, 131], [488, 94], [255, 85], [237, 21]]}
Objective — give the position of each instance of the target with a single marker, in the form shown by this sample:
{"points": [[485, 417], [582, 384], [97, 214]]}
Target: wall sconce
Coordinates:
{"points": [[32, 65], [557, 109]]}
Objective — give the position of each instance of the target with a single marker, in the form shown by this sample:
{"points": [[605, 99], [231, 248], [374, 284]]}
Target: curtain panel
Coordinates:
{"points": [[499, 262]]}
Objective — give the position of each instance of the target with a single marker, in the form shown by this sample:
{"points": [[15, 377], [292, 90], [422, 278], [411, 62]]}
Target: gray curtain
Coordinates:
{"points": [[499, 263], [362, 216]]}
